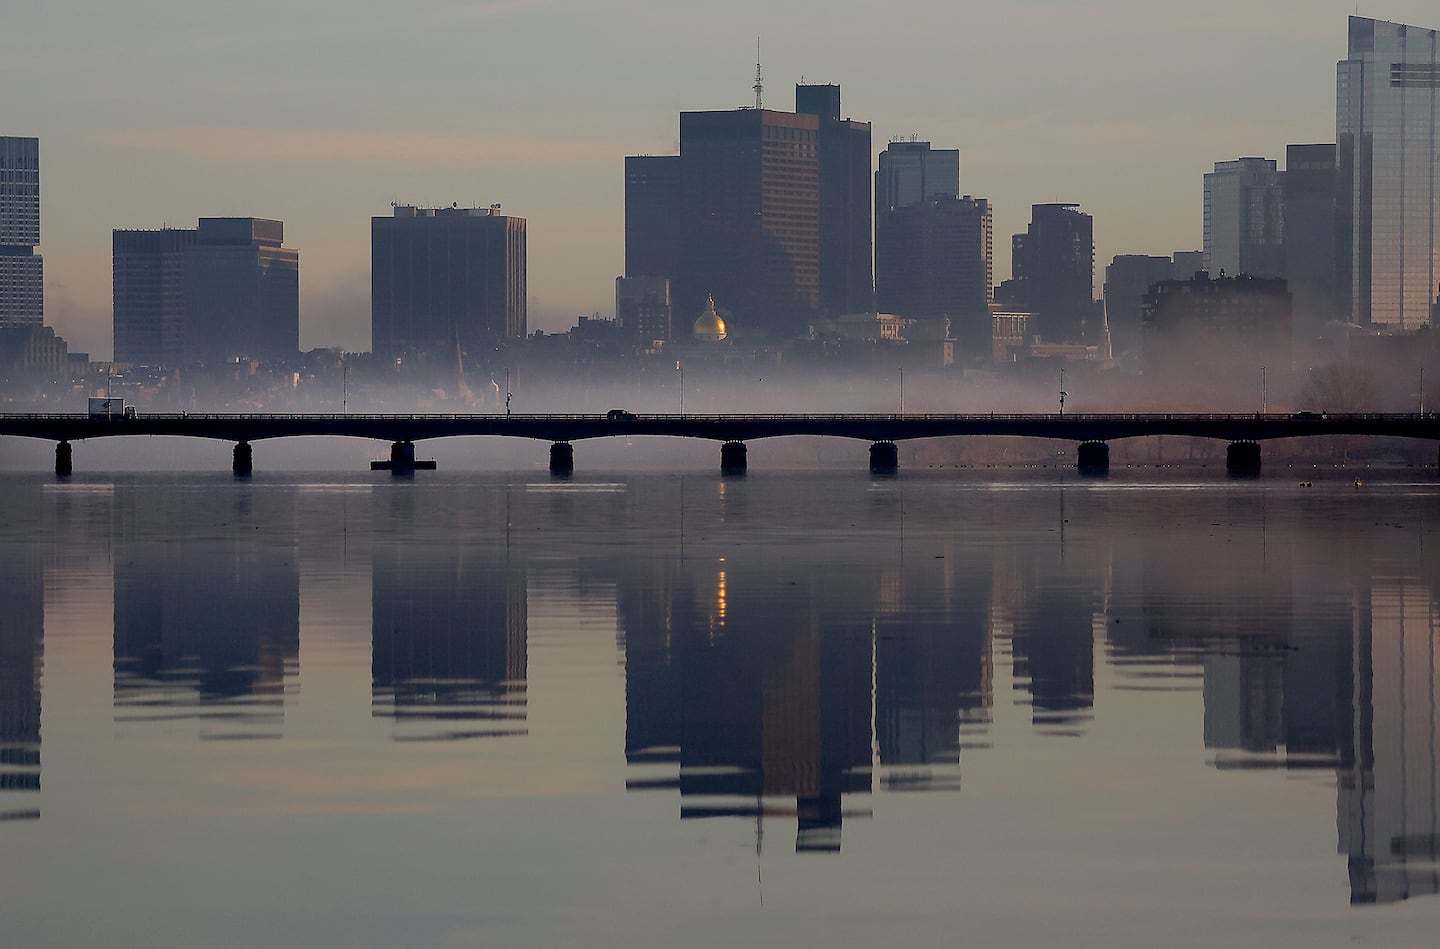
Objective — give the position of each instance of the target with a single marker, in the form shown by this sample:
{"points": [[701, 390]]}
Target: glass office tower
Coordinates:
{"points": [[1386, 152]]}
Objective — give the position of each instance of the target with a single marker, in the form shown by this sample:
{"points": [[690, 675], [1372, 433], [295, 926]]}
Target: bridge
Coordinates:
{"points": [[1091, 431]]}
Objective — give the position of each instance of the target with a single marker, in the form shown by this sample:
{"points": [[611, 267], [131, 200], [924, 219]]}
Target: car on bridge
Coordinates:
{"points": [[619, 415]]}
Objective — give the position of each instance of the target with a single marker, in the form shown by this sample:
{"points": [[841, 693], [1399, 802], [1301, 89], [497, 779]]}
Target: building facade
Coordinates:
{"points": [[935, 259], [1128, 278], [1216, 326], [846, 274], [1388, 165], [1245, 218], [439, 276], [652, 215], [910, 173], [642, 306], [242, 292], [1053, 274], [1310, 235], [22, 275], [148, 270]]}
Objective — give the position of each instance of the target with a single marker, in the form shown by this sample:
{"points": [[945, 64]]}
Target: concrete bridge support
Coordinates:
{"points": [[243, 461], [884, 458], [64, 462], [402, 456], [732, 458], [1242, 460], [1093, 459], [562, 459]]}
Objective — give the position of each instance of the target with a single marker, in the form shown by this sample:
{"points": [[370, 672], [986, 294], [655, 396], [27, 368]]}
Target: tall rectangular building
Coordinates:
{"points": [[1245, 219], [438, 275], [912, 172], [22, 275], [1310, 227], [1053, 273], [1128, 280], [1388, 163], [934, 259], [652, 215], [751, 206], [149, 295], [242, 292], [846, 275]]}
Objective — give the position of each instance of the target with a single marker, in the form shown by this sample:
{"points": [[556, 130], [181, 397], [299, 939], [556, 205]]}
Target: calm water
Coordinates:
{"points": [[786, 710]]}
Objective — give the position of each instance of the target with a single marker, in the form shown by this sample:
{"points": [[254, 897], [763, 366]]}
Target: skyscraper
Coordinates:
{"points": [[1245, 218], [1128, 279], [242, 291], [1053, 273], [934, 259], [442, 274], [1389, 181], [910, 173], [1310, 224], [22, 278], [846, 276], [149, 295], [772, 217]]}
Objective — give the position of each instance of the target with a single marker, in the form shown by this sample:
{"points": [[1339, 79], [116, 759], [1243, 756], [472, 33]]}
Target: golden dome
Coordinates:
{"points": [[710, 327]]}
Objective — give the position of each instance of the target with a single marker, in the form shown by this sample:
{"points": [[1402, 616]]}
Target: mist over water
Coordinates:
{"points": [[661, 709]]}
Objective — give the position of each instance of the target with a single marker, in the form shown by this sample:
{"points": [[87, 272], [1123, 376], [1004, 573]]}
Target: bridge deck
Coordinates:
{"points": [[1080, 427]]}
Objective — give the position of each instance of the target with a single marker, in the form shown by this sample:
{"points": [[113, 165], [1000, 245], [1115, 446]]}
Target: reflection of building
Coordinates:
{"points": [[1389, 801], [1245, 218], [208, 629], [22, 277], [449, 640], [442, 274], [1388, 162], [22, 635], [754, 699]]}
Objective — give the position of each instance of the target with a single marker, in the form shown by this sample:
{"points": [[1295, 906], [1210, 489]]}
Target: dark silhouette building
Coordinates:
{"points": [[1311, 228], [845, 158], [242, 292], [1128, 279], [442, 275], [934, 260], [149, 295], [642, 306], [766, 211], [1053, 274], [653, 216], [1225, 325], [1245, 218]]}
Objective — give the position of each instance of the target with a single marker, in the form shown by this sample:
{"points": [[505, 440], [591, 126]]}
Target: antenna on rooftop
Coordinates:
{"points": [[759, 86]]}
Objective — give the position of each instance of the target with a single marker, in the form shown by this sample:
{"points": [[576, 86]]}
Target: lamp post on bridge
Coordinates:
{"points": [[901, 370], [1062, 390], [681, 369], [1262, 390], [507, 390]]}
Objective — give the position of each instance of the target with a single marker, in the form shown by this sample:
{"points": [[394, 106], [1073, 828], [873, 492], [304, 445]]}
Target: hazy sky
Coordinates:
{"points": [[322, 112]]}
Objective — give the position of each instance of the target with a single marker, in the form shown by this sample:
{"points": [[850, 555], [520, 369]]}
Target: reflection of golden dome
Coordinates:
{"points": [[710, 327]]}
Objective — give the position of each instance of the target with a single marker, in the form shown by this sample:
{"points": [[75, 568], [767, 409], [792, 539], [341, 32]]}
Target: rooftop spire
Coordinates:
{"points": [[759, 86]]}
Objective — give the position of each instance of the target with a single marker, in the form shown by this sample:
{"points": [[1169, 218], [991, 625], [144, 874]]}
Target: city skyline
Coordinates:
{"points": [[371, 123]]}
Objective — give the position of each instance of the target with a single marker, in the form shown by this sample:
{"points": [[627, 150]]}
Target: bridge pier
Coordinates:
{"points": [[63, 459], [732, 458], [1093, 459], [1242, 460], [243, 461], [402, 460], [884, 458], [562, 459]]}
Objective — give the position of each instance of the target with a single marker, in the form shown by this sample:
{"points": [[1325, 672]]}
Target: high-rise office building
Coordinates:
{"points": [[772, 218], [652, 215], [1053, 274], [149, 295], [1245, 218], [242, 292], [1388, 162], [911, 173], [22, 277], [642, 306], [442, 275], [1128, 278], [935, 259], [845, 159], [1310, 225]]}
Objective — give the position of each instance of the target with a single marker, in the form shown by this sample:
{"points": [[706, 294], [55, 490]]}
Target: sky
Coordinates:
{"points": [[320, 113]]}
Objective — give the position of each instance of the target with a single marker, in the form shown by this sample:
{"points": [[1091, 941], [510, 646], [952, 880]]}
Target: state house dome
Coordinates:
{"points": [[710, 327]]}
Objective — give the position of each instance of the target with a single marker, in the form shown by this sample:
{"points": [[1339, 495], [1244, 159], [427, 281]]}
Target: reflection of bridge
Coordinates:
{"points": [[1092, 431]]}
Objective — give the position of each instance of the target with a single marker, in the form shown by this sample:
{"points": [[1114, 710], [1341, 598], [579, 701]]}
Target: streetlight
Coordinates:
{"points": [[1422, 390], [681, 369], [1062, 390], [902, 389], [507, 390], [1262, 390], [344, 385]]}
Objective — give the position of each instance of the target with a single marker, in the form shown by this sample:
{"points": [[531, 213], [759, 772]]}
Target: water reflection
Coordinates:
{"points": [[22, 633], [781, 665], [207, 624]]}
